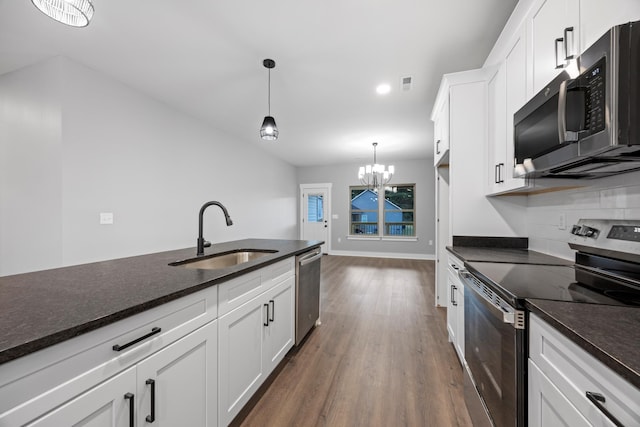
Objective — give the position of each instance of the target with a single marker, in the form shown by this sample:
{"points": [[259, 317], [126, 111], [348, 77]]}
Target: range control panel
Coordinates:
{"points": [[610, 234], [625, 232]]}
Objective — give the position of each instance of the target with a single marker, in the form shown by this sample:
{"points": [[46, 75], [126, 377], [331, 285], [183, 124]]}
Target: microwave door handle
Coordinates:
{"points": [[563, 135]]}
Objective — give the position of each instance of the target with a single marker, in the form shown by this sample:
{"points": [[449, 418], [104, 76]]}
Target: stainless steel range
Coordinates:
{"points": [[606, 271]]}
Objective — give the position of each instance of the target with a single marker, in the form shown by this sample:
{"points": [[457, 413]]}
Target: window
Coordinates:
{"points": [[315, 208], [397, 210]]}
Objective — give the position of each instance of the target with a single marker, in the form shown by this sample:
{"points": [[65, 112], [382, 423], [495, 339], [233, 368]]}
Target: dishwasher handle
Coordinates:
{"points": [[310, 258]]}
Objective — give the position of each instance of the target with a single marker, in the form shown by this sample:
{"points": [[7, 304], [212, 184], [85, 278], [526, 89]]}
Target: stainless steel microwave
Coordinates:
{"points": [[588, 126]]}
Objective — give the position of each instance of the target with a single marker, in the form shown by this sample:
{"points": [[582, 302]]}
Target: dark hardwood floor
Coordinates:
{"points": [[380, 358]]}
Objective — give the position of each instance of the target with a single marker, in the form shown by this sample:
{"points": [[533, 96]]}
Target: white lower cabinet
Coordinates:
{"points": [[111, 404], [280, 333], [254, 338], [455, 308], [547, 405], [178, 385], [175, 386], [241, 369], [562, 376]]}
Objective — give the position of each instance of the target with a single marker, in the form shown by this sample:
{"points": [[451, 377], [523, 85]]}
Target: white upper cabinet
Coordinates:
{"points": [[497, 130], [441, 143], [598, 16], [553, 30], [507, 91]]}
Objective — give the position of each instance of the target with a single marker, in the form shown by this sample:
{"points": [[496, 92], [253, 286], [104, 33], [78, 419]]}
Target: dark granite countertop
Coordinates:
{"points": [[609, 333], [43, 308], [505, 255]]}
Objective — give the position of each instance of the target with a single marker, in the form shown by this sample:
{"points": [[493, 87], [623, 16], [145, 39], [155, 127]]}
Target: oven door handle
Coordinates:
{"points": [[513, 317]]}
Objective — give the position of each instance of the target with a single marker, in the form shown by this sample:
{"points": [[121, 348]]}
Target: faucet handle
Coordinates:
{"points": [[207, 244]]}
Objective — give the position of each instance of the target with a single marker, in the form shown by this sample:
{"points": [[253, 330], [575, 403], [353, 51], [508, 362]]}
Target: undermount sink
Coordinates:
{"points": [[224, 260]]}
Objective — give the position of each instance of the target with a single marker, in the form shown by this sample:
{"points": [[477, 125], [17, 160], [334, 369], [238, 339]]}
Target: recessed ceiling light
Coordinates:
{"points": [[383, 89]]}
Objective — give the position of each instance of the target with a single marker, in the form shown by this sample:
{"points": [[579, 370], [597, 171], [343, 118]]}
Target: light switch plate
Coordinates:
{"points": [[562, 222], [106, 218]]}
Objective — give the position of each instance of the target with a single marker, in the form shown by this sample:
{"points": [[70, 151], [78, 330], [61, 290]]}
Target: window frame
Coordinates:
{"points": [[381, 220]]}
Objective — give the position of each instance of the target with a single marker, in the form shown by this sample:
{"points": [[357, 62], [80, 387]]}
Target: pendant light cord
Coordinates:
{"points": [[269, 93]]}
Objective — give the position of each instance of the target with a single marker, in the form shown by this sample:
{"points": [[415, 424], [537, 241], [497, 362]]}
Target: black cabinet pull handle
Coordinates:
{"points": [[266, 323], [500, 168], [152, 417], [273, 310], [453, 301], [130, 398], [597, 399], [154, 331], [438, 147], [568, 53], [559, 42]]}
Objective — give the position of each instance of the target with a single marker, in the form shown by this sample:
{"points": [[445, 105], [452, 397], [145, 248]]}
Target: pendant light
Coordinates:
{"points": [[269, 130], [76, 13]]}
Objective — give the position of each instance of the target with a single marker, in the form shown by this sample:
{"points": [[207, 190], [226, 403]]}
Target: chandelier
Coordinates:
{"points": [[76, 13], [375, 176]]}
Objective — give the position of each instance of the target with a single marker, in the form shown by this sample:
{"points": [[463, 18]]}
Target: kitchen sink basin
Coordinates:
{"points": [[224, 260]]}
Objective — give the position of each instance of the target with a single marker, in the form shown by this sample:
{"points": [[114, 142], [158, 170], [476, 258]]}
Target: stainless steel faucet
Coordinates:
{"points": [[201, 242]]}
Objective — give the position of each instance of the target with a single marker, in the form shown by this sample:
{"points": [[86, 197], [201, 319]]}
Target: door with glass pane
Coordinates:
{"points": [[315, 211]]}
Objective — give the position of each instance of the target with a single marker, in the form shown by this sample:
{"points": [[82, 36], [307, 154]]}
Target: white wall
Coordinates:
{"points": [[616, 197], [76, 143], [419, 172]]}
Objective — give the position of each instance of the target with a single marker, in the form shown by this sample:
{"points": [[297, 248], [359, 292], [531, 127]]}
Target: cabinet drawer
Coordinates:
{"points": [[235, 292], [278, 273], [90, 358], [575, 372]]}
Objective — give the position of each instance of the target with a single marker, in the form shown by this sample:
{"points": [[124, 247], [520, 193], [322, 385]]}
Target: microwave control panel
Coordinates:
{"points": [[593, 80]]}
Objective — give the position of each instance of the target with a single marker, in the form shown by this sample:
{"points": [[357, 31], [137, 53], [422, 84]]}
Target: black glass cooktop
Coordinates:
{"points": [[515, 282]]}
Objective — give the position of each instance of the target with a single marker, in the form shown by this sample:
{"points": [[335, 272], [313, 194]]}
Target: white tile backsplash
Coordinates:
{"points": [[615, 197]]}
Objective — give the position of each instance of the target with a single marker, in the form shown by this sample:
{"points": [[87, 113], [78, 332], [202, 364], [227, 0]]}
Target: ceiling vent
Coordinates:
{"points": [[405, 83]]}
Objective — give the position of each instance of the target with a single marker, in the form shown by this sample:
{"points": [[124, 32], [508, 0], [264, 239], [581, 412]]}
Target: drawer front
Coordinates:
{"points": [[278, 273], [90, 358], [233, 293], [575, 372], [454, 265]]}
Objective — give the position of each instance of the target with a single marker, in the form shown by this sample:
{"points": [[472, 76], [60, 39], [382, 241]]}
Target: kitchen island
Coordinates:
{"points": [[77, 331]]}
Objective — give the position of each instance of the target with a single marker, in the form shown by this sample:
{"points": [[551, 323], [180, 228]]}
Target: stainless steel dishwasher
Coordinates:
{"points": [[307, 292]]}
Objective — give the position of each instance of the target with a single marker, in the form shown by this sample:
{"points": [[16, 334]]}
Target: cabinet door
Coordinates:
{"points": [[106, 405], [547, 405], [441, 134], [452, 310], [460, 320], [598, 16], [515, 69], [548, 21], [279, 335], [177, 386], [497, 98], [241, 368]]}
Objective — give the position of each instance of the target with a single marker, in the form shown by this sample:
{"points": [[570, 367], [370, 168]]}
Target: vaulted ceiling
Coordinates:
{"points": [[204, 57]]}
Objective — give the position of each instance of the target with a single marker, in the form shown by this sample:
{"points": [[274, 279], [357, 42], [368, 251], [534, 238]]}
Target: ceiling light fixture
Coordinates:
{"points": [[76, 13], [269, 130], [375, 176]]}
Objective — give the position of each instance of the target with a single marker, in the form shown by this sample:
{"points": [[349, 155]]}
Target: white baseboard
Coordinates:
{"points": [[429, 257]]}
